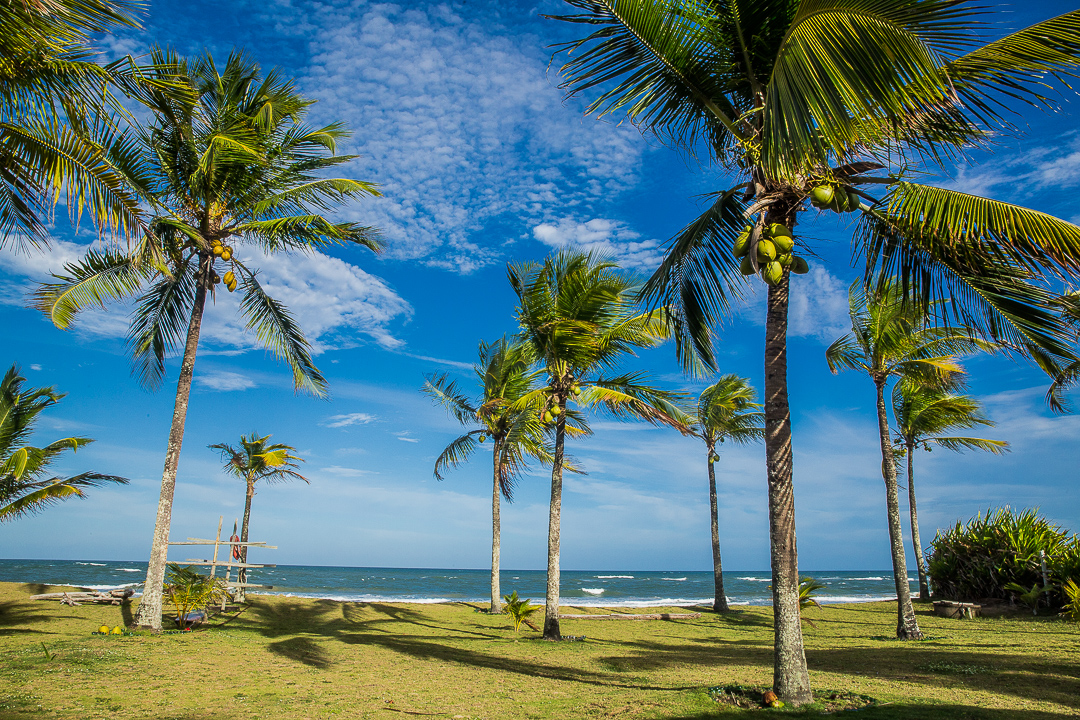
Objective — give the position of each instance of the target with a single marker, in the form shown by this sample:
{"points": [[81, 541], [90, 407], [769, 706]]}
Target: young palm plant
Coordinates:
{"points": [[922, 413], [890, 339], [25, 484], [58, 117], [804, 100], [505, 376], [577, 315], [257, 459], [233, 164], [726, 411]]}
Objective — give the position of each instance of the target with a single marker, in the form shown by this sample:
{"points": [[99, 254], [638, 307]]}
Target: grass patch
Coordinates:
{"points": [[294, 658]]}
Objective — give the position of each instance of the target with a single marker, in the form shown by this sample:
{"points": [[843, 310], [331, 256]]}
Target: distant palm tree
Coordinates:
{"points": [[577, 315], [56, 132], [255, 460], [25, 487], [890, 338], [234, 163], [505, 376], [922, 413], [726, 411]]}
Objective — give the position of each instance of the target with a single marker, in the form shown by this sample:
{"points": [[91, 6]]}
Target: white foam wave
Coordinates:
{"points": [[869, 578], [593, 591], [130, 570], [750, 579], [674, 579], [607, 577], [90, 563], [110, 587]]}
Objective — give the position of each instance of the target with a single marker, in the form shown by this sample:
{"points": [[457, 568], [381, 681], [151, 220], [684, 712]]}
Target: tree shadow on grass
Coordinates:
{"points": [[14, 614], [303, 650], [914, 711]]}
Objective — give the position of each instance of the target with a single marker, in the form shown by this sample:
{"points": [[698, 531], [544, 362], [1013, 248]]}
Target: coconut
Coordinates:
{"points": [[784, 260], [576, 389], [103, 629], [742, 245], [766, 251], [226, 254], [799, 266], [853, 202], [822, 195], [483, 438], [216, 250], [555, 409], [549, 418], [117, 630], [746, 267], [777, 229], [840, 200], [772, 273], [783, 243]]}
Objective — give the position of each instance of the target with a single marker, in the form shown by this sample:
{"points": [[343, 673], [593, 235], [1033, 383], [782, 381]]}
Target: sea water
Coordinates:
{"points": [[607, 588]]}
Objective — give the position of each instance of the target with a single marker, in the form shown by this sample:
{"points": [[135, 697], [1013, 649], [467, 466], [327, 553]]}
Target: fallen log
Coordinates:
{"points": [[115, 596], [633, 616]]}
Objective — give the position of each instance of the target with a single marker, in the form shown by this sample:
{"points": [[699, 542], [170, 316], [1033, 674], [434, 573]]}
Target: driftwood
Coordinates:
{"points": [[115, 596], [633, 616]]}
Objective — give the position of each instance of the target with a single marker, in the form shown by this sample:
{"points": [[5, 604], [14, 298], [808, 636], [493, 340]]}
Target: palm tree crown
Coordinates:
{"points": [[25, 486]]}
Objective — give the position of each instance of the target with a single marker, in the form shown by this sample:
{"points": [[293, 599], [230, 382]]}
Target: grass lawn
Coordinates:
{"points": [[297, 658]]}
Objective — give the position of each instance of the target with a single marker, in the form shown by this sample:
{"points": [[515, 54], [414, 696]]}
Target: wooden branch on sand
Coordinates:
{"points": [[632, 616], [115, 596]]}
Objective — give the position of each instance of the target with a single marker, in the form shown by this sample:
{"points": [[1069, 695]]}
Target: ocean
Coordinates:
{"points": [[607, 588]]}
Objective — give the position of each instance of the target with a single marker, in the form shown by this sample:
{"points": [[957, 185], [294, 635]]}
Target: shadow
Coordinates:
{"points": [[303, 650], [13, 614], [126, 613], [35, 588], [911, 711]]}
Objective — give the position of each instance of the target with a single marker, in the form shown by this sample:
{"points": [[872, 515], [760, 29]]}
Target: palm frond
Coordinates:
{"points": [[100, 277]]}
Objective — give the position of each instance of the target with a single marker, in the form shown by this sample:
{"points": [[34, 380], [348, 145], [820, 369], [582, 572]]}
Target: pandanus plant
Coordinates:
{"points": [[792, 95]]}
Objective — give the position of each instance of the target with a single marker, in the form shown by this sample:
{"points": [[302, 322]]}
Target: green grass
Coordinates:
{"points": [[297, 658]]}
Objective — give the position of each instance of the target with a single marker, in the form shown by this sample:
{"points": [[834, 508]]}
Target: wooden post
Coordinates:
{"points": [[217, 541]]}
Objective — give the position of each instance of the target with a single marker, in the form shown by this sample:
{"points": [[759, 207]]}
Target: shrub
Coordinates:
{"points": [[982, 559], [189, 590]]}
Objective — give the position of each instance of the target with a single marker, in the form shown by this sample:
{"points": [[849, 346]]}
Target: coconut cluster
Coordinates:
{"points": [[225, 252], [834, 197], [554, 410], [771, 255]]}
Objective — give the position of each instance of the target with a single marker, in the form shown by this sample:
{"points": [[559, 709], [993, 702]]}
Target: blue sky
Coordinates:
{"points": [[457, 115]]}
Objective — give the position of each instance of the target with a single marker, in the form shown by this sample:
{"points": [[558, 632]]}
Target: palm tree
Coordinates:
{"points": [[798, 96], [726, 411], [233, 164], [505, 376], [577, 316], [922, 413], [57, 117], [257, 459], [25, 487], [889, 338]]}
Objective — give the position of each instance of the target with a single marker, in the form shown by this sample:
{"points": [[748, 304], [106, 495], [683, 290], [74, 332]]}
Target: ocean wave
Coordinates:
{"points": [[593, 591], [674, 579], [607, 577], [90, 563], [838, 599], [132, 569], [114, 586], [869, 578], [752, 579]]}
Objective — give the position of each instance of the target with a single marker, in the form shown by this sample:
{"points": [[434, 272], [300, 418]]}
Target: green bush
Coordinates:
{"points": [[978, 560]]}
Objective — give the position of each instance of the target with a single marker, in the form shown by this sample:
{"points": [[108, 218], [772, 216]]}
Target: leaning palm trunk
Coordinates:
{"points": [[719, 597], [791, 681], [496, 529], [924, 586], [149, 613], [907, 626], [241, 575], [551, 605]]}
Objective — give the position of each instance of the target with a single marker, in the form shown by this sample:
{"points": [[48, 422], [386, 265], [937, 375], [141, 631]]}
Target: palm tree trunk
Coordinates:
{"points": [[496, 541], [719, 598], [907, 626], [924, 586], [551, 601], [791, 681], [149, 612], [241, 575]]}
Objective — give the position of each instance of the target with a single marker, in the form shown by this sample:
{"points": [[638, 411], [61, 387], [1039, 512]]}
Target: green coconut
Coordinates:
{"points": [[799, 266], [783, 243], [840, 200], [746, 267], [822, 195], [549, 418], [742, 245], [777, 229], [766, 250], [483, 438], [784, 260], [853, 202], [772, 273], [555, 410]]}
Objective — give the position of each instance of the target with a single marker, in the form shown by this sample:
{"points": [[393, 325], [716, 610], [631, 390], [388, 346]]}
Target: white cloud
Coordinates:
{"points": [[610, 238], [35, 366], [1017, 177], [340, 421], [225, 381], [818, 306], [404, 437], [460, 124]]}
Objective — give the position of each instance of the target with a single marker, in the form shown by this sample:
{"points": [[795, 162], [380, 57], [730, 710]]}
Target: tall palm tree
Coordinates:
{"points": [[25, 487], [232, 163], [922, 413], [58, 115], [577, 315], [257, 459], [505, 376], [889, 339], [798, 96], [726, 411]]}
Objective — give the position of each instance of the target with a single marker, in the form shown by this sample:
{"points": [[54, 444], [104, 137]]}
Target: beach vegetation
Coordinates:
{"points": [[257, 460], [191, 594], [520, 610], [725, 411], [792, 95], [577, 313], [923, 413], [232, 164], [505, 376], [890, 339], [1000, 555], [1072, 600], [27, 485]]}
